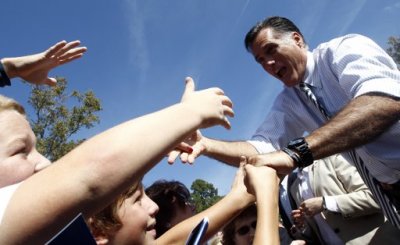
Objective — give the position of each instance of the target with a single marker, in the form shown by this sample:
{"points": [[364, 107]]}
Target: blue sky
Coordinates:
{"points": [[139, 53]]}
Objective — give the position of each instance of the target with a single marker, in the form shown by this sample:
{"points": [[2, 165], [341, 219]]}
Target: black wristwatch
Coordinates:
{"points": [[300, 146]]}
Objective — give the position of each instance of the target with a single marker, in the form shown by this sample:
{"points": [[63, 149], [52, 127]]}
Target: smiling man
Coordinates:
{"points": [[342, 97]]}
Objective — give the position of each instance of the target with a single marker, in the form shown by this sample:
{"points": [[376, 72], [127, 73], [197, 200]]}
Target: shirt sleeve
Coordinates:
{"points": [[363, 67], [288, 118]]}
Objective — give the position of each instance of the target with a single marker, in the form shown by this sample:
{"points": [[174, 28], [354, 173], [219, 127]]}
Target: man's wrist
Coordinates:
{"points": [[300, 146], [292, 154]]}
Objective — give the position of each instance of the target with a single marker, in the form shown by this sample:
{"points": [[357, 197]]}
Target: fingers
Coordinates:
{"points": [[185, 147], [67, 47], [55, 48], [243, 161], [189, 88], [173, 155], [184, 157], [72, 55]]}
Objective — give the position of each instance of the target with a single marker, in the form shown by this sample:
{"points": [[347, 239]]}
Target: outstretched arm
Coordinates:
{"points": [[219, 214], [97, 171], [347, 130], [223, 151], [35, 68], [263, 182]]}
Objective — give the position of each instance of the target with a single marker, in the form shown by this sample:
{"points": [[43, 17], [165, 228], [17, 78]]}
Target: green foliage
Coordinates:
{"points": [[54, 123], [204, 194], [394, 49]]}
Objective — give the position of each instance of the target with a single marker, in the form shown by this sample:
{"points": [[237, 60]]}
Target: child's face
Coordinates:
{"points": [[137, 214], [244, 230]]}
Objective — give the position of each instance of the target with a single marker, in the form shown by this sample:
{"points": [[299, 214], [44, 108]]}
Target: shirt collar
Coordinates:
{"points": [[310, 76]]}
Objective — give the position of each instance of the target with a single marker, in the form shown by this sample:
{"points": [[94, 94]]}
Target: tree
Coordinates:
{"points": [[204, 194], [54, 123], [394, 49]]}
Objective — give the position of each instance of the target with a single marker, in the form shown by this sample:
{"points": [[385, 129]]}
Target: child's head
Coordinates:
{"points": [[174, 201], [241, 230], [19, 158], [128, 220]]}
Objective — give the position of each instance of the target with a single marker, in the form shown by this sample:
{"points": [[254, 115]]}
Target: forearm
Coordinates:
{"points": [[360, 122], [229, 152], [99, 170], [219, 215], [267, 218]]}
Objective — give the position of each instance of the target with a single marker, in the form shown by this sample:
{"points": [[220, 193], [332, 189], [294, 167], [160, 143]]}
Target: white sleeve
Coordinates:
{"points": [[5, 196]]}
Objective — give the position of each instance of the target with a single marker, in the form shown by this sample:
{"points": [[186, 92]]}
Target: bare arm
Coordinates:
{"points": [[229, 152], [364, 119], [223, 151], [219, 214], [264, 183], [360, 122], [96, 172]]}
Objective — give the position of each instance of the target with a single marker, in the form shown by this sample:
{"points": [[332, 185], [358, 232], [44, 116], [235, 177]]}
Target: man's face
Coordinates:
{"points": [[282, 56], [19, 158]]}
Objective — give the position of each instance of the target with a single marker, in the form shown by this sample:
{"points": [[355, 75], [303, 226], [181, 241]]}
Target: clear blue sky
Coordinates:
{"points": [[139, 53]]}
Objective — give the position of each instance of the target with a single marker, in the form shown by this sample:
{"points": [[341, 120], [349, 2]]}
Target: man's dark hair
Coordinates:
{"points": [[167, 194], [278, 24]]}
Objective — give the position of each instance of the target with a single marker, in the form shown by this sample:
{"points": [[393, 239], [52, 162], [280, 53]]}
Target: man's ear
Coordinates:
{"points": [[298, 39]]}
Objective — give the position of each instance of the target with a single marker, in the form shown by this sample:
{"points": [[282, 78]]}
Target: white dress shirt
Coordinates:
{"points": [[337, 72]]}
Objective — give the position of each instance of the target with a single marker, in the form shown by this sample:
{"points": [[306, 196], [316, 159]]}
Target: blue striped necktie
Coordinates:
{"points": [[381, 197]]}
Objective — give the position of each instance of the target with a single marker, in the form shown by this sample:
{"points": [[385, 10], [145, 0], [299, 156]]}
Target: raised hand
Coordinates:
{"points": [[239, 186], [35, 68], [205, 101], [260, 179], [212, 105]]}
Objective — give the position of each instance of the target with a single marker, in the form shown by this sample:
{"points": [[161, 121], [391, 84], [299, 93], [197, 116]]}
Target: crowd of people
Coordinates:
{"points": [[323, 167]]}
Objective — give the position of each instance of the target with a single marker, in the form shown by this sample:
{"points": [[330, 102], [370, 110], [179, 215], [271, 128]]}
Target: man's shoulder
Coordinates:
{"points": [[349, 39]]}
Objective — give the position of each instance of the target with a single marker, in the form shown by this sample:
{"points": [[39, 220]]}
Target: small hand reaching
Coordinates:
{"points": [[36, 67]]}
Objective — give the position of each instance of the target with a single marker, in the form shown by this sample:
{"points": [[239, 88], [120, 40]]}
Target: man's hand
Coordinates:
{"points": [[189, 150], [312, 206], [277, 160], [35, 68], [299, 219]]}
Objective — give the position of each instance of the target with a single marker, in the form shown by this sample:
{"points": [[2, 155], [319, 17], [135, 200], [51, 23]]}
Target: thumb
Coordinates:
{"points": [[189, 87]]}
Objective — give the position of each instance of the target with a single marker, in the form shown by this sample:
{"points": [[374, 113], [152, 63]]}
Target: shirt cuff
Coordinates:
{"points": [[4, 79], [261, 146], [331, 204]]}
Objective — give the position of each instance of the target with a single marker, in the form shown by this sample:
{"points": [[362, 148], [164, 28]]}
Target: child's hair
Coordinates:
{"points": [[167, 194], [10, 104], [107, 222]]}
